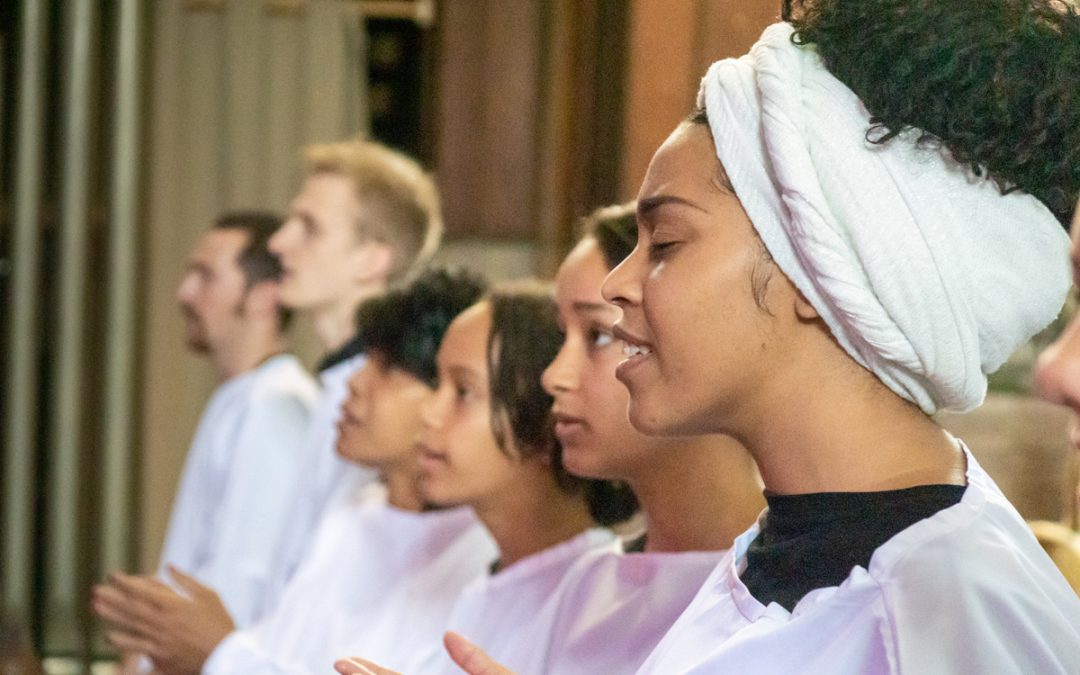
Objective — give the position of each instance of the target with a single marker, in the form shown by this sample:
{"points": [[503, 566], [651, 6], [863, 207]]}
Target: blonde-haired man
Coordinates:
{"points": [[366, 216]]}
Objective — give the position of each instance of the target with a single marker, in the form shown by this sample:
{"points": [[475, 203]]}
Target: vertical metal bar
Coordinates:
{"points": [[118, 471], [21, 386], [65, 423]]}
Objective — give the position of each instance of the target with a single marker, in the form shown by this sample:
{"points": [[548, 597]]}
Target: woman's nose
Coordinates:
{"points": [[1057, 371]]}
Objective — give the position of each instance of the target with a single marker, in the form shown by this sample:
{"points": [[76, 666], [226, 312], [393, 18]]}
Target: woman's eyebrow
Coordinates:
{"points": [[463, 374], [647, 205]]}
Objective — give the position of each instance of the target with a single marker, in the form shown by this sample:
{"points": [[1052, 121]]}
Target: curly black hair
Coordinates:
{"points": [[995, 82], [524, 339], [406, 325]]}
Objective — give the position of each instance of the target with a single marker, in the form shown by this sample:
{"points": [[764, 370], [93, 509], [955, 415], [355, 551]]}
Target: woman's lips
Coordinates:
{"points": [[568, 426], [429, 458], [636, 350]]}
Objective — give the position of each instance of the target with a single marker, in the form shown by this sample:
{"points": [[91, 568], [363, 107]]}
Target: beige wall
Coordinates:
{"points": [[236, 91]]}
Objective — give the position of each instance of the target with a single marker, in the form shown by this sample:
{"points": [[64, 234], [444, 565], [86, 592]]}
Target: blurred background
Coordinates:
{"points": [[128, 125]]}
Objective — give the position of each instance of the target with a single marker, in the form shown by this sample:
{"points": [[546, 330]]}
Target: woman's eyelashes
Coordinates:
{"points": [[462, 393], [600, 337], [660, 249]]}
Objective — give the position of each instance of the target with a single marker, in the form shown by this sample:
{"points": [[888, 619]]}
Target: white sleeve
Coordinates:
{"points": [[268, 458], [998, 608], [240, 653]]}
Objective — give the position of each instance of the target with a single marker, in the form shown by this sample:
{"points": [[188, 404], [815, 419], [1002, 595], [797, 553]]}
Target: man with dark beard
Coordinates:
{"points": [[227, 519]]}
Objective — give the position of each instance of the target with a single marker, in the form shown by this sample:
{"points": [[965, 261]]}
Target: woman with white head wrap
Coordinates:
{"points": [[892, 179], [882, 228]]}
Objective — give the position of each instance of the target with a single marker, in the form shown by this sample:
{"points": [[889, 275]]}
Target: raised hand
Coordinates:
{"points": [[354, 665], [471, 658], [177, 632]]}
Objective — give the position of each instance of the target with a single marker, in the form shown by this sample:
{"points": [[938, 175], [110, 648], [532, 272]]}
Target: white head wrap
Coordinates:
{"points": [[928, 277]]}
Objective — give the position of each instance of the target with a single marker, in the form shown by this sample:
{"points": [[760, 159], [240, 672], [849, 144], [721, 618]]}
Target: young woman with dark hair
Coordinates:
{"points": [[697, 494], [489, 443]]}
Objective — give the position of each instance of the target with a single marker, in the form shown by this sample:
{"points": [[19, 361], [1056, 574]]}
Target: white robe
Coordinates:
{"points": [[326, 477], [378, 582], [228, 516], [967, 590], [614, 607], [509, 613]]}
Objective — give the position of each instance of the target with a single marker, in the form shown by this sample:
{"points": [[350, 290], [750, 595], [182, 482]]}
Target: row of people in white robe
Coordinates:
{"points": [[385, 584]]}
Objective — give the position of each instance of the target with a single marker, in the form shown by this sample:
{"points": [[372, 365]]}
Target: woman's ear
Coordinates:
{"points": [[803, 309]]}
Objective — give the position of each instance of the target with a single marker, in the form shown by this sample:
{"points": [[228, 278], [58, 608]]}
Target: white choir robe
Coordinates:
{"points": [[228, 518], [614, 607], [326, 477], [968, 590], [510, 613], [378, 582]]}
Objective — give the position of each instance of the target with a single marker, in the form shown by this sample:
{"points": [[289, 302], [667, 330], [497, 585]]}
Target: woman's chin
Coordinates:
{"points": [[582, 463], [646, 420]]}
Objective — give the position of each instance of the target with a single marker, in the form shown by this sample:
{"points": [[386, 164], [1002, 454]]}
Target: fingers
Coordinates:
{"points": [[358, 666], [350, 667], [127, 612], [471, 658], [187, 582], [127, 642], [147, 589]]}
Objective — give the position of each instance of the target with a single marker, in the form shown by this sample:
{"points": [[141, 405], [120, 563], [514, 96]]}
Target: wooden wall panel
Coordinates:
{"points": [[529, 118], [671, 46], [728, 28], [488, 116], [659, 81]]}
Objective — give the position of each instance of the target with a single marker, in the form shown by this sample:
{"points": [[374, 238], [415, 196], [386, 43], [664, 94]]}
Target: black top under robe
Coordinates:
{"points": [[635, 545], [813, 540], [341, 354]]}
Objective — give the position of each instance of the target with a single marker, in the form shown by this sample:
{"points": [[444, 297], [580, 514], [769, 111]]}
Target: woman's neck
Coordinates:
{"points": [[401, 487], [704, 494], [846, 432], [533, 516]]}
